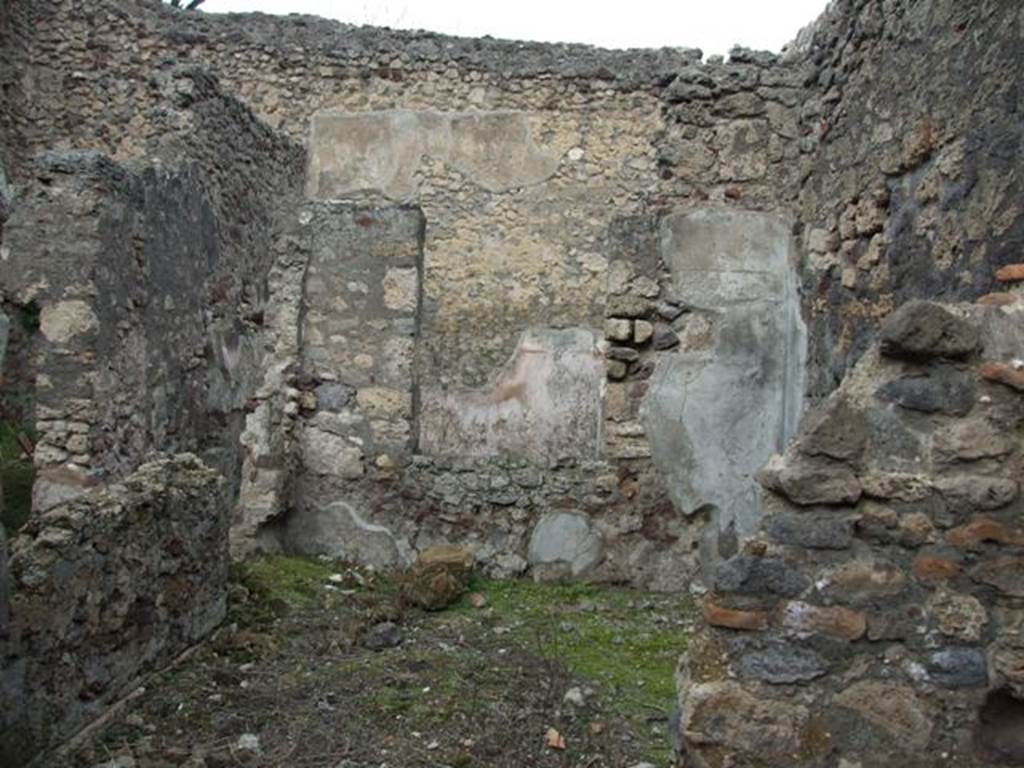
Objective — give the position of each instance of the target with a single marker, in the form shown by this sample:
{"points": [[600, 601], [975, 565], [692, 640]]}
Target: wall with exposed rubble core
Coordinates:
{"points": [[147, 281], [914, 190], [553, 303], [875, 619], [116, 582]]}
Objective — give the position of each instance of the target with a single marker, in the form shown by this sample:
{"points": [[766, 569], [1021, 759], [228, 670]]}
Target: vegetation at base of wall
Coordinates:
{"points": [[17, 474], [479, 685], [618, 644], [626, 641]]}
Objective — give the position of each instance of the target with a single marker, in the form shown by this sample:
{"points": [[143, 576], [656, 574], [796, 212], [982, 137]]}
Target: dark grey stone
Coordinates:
{"points": [[890, 436], [680, 92], [4, 613], [969, 493], [921, 330], [625, 354], [958, 668], [941, 389], [823, 530], [332, 396], [745, 574], [894, 623], [781, 663], [837, 430], [664, 337], [384, 635], [668, 310]]}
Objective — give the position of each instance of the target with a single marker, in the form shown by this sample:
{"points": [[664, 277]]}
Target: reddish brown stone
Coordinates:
{"points": [[1003, 374], [1011, 273], [750, 621], [998, 299], [933, 568], [983, 529], [806, 619]]}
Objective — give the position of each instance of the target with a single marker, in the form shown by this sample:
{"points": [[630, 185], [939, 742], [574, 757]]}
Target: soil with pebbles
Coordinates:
{"points": [[322, 666]]}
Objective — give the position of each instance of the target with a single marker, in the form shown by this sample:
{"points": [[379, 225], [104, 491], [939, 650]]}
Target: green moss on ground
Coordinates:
{"points": [[605, 634], [296, 581]]}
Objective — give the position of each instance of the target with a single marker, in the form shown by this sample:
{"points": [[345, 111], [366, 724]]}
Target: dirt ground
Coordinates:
{"points": [[322, 666]]}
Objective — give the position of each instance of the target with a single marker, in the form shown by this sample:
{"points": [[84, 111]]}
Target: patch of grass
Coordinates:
{"points": [[17, 474], [296, 581], [601, 633]]}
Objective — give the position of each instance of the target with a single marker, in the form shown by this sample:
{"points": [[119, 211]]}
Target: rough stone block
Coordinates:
{"points": [[781, 663], [810, 484], [822, 530], [837, 430], [958, 668], [568, 539], [942, 389], [921, 330], [806, 620], [85, 626], [892, 707], [618, 328]]}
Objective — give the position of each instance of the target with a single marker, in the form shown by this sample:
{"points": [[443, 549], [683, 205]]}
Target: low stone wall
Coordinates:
{"points": [[876, 616], [105, 587]]}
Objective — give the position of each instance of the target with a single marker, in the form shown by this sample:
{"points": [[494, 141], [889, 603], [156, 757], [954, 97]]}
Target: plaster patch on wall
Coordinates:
{"points": [[545, 404], [716, 413], [338, 530], [383, 151]]}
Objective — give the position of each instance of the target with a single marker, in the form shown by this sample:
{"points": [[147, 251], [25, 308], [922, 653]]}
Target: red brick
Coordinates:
{"points": [[983, 529], [933, 568], [750, 621], [1011, 273], [998, 299], [1003, 374]]}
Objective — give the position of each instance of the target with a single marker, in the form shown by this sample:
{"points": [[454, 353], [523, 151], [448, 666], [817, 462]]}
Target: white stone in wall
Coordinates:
{"points": [[565, 539], [65, 320]]}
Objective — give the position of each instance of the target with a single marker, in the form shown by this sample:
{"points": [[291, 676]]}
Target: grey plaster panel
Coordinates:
{"points": [[714, 417]]}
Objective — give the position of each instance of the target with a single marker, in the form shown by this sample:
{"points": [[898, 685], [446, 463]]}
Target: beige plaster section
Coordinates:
{"points": [[545, 404], [384, 151], [529, 257], [517, 205]]}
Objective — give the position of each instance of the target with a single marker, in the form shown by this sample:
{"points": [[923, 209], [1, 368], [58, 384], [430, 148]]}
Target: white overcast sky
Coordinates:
{"points": [[714, 26]]}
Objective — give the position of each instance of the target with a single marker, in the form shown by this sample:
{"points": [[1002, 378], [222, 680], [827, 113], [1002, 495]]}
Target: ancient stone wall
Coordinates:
{"points": [[915, 188], [875, 617], [544, 174], [103, 588], [149, 283]]}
